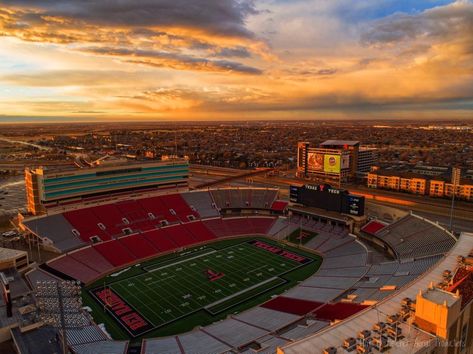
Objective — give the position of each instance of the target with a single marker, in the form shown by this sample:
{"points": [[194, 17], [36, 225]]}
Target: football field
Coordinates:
{"points": [[210, 279]]}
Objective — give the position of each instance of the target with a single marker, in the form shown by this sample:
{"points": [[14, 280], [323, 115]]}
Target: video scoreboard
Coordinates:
{"points": [[325, 197]]}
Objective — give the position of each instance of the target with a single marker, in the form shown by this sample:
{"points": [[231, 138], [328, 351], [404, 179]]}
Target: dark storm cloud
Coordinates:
{"points": [[222, 17]]}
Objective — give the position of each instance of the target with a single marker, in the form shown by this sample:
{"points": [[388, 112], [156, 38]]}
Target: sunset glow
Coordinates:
{"points": [[224, 59]]}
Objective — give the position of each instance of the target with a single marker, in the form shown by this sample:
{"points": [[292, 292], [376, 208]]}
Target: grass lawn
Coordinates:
{"points": [[174, 293], [295, 236]]}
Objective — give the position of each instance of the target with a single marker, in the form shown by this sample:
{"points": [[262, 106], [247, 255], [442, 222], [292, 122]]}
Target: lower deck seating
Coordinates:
{"points": [[138, 245], [338, 311], [115, 252], [292, 305], [180, 236], [73, 268], [261, 225], [239, 226], [217, 227], [91, 258], [199, 231], [160, 240]]}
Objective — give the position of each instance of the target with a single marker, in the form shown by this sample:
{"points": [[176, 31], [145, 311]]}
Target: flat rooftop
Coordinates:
{"points": [[439, 297], [340, 143]]}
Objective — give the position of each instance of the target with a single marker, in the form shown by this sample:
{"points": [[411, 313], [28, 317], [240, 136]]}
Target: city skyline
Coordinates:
{"points": [[241, 60]]}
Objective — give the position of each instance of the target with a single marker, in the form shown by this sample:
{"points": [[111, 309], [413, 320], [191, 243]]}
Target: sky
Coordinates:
{"points": [[236, 59]]}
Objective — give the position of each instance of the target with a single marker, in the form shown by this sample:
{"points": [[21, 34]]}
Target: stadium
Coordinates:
{"points": [[240, 270]]}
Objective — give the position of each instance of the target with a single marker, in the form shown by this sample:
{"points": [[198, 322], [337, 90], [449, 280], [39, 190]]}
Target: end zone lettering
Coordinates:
{"points": [[133, 322], [280, 251]]}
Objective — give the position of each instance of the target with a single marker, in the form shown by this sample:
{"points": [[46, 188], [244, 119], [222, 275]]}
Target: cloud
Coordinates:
{"points": [[86, 78], [440, 23], [222, 17], [173, 60], [186, 34]]}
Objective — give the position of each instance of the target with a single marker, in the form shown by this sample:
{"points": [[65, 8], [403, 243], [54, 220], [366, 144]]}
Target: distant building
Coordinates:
{"points": [[367, 158], [434, 186], [50, 187], [334, 161]]}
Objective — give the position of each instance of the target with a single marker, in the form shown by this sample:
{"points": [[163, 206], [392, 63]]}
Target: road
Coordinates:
{"points": [[24, 143], [436, 209]]}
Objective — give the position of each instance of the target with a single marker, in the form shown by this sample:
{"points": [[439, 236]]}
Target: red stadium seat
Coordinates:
{"points": [[138, 245], [160, 241], [179, 235], [290, 305], [73, 268], [199, 231], [115, 253], [93, 259], [86, 223]]}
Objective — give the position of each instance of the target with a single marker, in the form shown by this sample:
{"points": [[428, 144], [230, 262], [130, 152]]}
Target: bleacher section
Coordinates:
{"points": [[138, 245], [373, 227], [75, 228], [86, 225], [251, 225], [202, 202], [180, 236], [57, 230], [115, 253], [160, 240], [91, 258], [89, 263], [242, 198], [73, 268], [413, 237], [177, 206], [199, 231]]}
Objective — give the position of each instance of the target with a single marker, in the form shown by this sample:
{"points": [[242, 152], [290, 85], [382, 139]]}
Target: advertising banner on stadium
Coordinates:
{"points": [[332, 163], [315, 161]]}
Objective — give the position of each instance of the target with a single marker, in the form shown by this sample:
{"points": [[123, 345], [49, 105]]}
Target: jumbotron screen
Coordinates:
{"points": [[325, 197]]}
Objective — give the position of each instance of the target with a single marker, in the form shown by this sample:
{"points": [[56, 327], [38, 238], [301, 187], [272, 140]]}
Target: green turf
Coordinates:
{"points": [[295, 236], [174, 294]]}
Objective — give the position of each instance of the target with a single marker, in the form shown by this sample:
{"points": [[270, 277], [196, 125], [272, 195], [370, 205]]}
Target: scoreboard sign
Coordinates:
{"points": [[323, 196], [354, 205]]}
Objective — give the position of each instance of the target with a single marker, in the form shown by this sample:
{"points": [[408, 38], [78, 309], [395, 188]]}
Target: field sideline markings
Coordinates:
{"points": [[137, 299], [181, 261], [140, 313], [240, 292]]}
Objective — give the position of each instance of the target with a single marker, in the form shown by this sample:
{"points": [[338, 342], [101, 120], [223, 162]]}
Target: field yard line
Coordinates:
{"points": [[151, 290], [256, 269], [160, 280], [133, 296], [181, 261], [208, 292], [240, 292]]}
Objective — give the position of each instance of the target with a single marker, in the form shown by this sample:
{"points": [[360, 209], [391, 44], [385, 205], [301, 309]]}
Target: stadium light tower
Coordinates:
{"points": [[60, 306]]}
